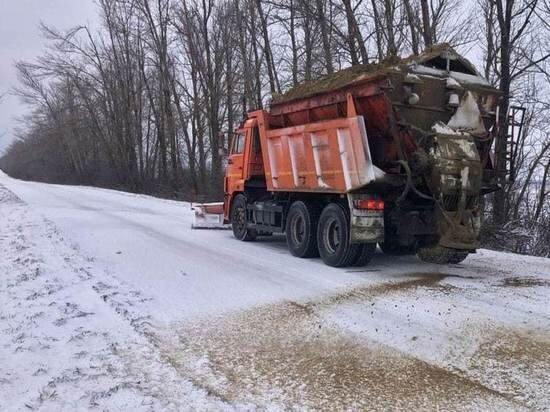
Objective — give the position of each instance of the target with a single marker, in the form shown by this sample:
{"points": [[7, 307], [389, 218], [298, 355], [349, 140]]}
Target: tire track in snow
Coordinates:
{"points": [[288, 355], [61, 345]]}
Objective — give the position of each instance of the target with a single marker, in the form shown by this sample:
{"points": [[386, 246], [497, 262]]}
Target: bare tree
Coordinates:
{"points": [[514, 22], [145, 101]]}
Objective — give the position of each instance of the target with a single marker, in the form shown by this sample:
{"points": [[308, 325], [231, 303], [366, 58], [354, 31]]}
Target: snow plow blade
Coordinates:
{"points": [[208, 216]]}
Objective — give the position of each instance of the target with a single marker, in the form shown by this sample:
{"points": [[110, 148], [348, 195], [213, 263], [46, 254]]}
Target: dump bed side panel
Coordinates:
{"points": [[330, 156]]}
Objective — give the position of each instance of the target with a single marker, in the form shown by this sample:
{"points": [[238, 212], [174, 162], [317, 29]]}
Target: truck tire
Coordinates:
{"points": [[301, 230], [239, 220], [442, 255], [333, 237], [366, 252]]}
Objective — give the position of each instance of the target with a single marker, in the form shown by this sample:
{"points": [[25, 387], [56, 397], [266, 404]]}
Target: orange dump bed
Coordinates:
{"points": [[330, 156]]}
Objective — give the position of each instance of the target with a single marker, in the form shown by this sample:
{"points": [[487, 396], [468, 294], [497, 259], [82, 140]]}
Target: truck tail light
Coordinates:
{"points": [[369, 204]]}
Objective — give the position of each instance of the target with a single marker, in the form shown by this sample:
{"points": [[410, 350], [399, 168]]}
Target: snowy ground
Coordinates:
{"points": [[110, 301]]}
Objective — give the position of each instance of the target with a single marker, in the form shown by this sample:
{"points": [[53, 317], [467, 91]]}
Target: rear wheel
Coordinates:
{"points": [[239, 220], [301, 230], [366, 252], [442, 255], [333, 237]]}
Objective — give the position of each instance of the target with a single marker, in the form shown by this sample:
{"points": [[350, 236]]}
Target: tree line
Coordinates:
{"points": [[146, 101]]}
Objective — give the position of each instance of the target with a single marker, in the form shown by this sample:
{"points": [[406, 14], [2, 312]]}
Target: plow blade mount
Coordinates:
{"points": [[208, 216]]}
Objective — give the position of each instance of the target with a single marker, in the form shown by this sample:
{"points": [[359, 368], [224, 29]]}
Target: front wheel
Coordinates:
{"points": [[442, 255], [239, 221], [333, 237]]}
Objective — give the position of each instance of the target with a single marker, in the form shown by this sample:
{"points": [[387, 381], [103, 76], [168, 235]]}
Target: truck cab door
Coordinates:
{"points": [[235, 164]]}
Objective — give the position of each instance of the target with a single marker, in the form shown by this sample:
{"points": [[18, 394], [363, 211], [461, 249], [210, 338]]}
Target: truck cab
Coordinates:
{"points": [[244, 163]]}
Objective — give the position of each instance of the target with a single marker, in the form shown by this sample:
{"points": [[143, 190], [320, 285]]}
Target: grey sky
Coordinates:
{"points": [[20, 39]]}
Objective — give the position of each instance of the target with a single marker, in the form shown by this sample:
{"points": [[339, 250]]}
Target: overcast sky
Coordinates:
{"points": [[20, 39]]}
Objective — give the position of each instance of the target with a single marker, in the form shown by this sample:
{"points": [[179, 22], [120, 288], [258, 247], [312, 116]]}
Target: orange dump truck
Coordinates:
{"points": [[396, 154]]}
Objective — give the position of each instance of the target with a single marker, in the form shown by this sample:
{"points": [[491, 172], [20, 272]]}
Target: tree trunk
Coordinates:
{"points": [[426, 29], [351, 32], [499, 199], [271, 72], [325, 37], [294, 46], [378, 29], [390, 29], [543, 192], [308, 47], [412, 26]]}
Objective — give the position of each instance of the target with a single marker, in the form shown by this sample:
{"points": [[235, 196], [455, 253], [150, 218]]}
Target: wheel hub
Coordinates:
{"points": [[298, 229], [333, 235], [240, 218]]}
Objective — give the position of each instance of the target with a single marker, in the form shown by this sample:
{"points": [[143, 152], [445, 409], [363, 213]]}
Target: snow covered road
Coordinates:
{"points": [[110, 300]]}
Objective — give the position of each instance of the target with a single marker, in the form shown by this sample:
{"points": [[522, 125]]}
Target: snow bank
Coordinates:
{"points": [[63, 345]]}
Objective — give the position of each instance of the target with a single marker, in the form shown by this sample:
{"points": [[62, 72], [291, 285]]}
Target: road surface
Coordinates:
{"points": [[113, 302]]}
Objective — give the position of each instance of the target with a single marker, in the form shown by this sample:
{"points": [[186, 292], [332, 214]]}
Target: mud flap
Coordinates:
{"points": [[366, 226]]}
